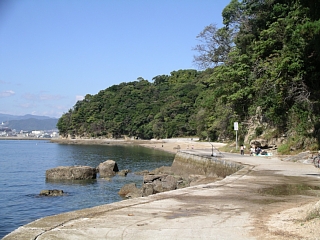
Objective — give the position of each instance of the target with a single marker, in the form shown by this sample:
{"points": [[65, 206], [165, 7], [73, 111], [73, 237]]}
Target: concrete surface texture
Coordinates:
{"points": [[237, 207]]}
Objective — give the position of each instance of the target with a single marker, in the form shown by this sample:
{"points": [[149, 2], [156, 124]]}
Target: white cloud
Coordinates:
{"points": [[7, 93], [79, 98]]}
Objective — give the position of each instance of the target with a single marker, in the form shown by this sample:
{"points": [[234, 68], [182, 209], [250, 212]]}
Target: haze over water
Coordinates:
{"points": [[22, 169]]}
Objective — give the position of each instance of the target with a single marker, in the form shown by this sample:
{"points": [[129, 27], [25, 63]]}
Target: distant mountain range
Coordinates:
{"points": [[28, 122]]}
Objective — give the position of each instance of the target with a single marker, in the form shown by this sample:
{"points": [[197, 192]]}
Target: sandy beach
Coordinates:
{"points": [[172, 145]]}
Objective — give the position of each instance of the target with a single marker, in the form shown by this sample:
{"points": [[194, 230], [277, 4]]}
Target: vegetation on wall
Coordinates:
{"points": [[265, 56]]}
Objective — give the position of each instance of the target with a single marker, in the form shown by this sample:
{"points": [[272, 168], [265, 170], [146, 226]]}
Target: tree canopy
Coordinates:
{"points": [[266, 56]]}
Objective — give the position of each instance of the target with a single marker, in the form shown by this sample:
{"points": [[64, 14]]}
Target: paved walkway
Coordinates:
{"points": [[234, 208]]}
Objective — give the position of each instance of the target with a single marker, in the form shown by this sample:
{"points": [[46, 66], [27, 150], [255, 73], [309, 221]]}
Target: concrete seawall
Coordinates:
{"points": [[185, 164], [232, 208]]}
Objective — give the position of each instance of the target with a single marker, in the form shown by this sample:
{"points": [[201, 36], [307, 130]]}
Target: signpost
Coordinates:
{"points": [[235, 126]]}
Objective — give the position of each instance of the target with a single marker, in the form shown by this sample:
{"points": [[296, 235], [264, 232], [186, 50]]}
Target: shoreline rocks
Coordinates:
{"points": [[71, 173], [153, 184], [107, 169], [123, 172], [130, 191], [51, 193]]}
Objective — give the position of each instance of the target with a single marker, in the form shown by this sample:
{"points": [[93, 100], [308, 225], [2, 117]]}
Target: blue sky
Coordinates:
{"points": [[54, 52]]}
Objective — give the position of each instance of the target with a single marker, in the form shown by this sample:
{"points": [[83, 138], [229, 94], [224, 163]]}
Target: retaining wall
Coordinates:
{"points": [[185, 164]]}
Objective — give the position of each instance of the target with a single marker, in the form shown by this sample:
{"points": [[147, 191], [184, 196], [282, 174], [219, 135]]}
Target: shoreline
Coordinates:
{"points": [[276, 220], [172, 145], [23, 138], [234, 198]]}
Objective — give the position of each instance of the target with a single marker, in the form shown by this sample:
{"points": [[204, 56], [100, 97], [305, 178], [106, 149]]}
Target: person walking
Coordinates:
{"points": [[242, 150]]}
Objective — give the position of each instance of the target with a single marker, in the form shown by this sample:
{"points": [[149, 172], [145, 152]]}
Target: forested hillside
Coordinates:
{"points": [[164, 108], [264, 59]]}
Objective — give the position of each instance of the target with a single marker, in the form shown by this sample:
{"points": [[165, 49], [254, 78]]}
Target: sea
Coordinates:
{"points": [[23, 164]]}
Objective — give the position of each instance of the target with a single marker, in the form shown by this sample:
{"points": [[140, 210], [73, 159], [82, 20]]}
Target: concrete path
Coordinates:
{"points": [[237, 207]]}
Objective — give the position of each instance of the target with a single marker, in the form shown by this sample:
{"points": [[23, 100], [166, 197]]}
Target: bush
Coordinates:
{"points": [[284, 149], [258, 131]]}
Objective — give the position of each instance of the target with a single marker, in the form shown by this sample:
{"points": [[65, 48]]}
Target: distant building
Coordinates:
{"points": [[5, 131], [36, 133]]}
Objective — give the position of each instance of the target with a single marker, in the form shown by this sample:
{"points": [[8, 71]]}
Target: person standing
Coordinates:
{"points": [[252, 151], [242, 150]]}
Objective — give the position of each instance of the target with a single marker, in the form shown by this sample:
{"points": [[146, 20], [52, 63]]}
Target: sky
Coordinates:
{"points": [[54, 52]]}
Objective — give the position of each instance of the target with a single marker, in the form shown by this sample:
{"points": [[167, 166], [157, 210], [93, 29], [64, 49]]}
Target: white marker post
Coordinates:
{"points": [[235, 126]]}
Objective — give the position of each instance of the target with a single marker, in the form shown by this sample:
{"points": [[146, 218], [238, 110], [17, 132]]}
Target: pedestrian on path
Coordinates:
{"points": [[242, 150], [252, 151], [258, 151]]}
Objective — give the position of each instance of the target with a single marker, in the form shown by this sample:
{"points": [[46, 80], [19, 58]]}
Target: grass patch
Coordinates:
{"points": [[284, 149]]}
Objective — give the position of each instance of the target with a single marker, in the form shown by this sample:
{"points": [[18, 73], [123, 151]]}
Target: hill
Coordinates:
{"points": [[28, 122], [8, 117], [33, 124], [261, 71]]}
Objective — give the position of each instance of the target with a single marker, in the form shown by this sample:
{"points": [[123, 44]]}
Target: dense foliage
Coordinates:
{"points": [[164, 108], [266, 56]]}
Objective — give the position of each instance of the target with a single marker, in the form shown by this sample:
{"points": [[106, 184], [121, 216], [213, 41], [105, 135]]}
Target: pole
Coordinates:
{"points": [[236, 140], [212, 151], [235, 127], [211, 147]]}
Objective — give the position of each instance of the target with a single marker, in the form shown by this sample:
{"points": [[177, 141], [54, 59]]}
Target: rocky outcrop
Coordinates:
{"points": [[71, 173], [153, 184], [51, 193], [130, 191], [260, 142], [186, 170], [107, 169]]}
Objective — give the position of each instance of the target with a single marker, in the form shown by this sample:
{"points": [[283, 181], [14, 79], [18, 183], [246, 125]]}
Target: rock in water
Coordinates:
{"points": [[71, 173], [123, 173], [54, 192], [108, 168]]}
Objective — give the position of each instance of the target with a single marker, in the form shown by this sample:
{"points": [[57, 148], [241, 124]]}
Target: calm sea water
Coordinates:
{"points": [[23, 164]]}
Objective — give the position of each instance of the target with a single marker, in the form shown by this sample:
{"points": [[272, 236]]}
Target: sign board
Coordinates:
{"points": [[235, 126]]}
